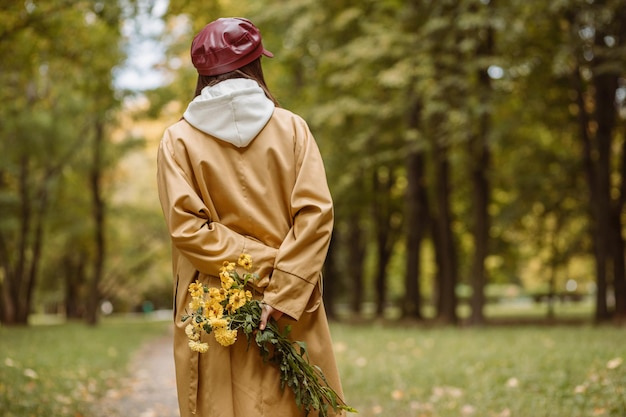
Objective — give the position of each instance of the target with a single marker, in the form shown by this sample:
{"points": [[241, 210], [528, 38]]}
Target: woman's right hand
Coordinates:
{"points": [[267, 312]]}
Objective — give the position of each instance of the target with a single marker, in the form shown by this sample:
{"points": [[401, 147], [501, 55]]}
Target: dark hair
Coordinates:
{"points": [[251, 71]]}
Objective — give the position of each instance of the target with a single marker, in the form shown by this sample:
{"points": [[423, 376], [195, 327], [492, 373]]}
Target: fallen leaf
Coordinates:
{"points": [[512, 382], [397, 395], [614, 363]]}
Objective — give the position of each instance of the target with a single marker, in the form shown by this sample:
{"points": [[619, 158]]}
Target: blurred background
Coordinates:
{"points": [[475, 151]]}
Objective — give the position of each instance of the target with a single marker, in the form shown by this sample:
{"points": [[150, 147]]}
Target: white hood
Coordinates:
{"points": [[234, 111]]}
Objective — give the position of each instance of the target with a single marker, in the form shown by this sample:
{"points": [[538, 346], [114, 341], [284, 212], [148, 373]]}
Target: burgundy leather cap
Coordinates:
{"points": [[225, 45]]}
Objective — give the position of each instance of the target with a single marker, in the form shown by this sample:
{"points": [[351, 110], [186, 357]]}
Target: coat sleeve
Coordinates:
{"points": [[205, 243], [301, 255]]}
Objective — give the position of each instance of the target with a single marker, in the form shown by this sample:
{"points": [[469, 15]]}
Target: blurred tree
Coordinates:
{"points": [[455, 119], [596, 36], [58, 94], [417, 217], [355, 117], [539, 209], [481, 27], [441, 85], [31, 164]]}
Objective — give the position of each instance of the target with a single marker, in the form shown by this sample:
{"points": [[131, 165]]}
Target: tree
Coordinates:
{"points": [[471, 111], [596, 35], [30, 169], [53, 57], [479, 149]]}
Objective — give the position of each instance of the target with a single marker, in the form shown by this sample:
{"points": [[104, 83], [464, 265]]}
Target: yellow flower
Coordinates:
{"points": [[225, 336], [224, 273], [227, 281], [245, 260], [197, 326], [228, 266], [237, 300], [198, 346], [214, 310], [248, 296], [196, 303], [191, 334], [196, 289], [218, 323], [217, 294]]}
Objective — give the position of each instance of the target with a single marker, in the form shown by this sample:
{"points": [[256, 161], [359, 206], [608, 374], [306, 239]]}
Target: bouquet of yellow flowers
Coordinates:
{"points": [[229, 308]]}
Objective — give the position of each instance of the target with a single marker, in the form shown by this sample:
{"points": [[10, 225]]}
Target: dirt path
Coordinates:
{"points": [[150, 389]]}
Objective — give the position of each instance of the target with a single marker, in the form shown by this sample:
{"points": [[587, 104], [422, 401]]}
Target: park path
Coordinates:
{"points": [[149, 390]]}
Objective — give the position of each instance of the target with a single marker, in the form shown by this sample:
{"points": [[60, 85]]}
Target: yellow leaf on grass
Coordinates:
{"points": [[614, 363]]}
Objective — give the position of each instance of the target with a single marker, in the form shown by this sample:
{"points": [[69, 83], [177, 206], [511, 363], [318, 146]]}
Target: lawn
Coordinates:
{"points": [[410, 371], [58, 370], [388, 370]]}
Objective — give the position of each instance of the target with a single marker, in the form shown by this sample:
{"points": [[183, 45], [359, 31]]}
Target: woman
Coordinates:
{"points": [[238, 175]]}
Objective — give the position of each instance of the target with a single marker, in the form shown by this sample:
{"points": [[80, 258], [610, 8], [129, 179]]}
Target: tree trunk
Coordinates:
{"points": [[605, 86], [21, 277], [4, 261], [618, 245], [20, 302], [74, 268], [619, 261], [446, 258], [555, 262], [416, 221], [17, 288], [384, 235], [380, 278], [598, 226], [8, 286], [480, 231], [619, 272], [597, 129], [37, 244], [356, 264], [99, 223], [9, 297], [481, 163]]}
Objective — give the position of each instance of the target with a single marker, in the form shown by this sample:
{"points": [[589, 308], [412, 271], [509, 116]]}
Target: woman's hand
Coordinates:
{"points": [[268, 311]]}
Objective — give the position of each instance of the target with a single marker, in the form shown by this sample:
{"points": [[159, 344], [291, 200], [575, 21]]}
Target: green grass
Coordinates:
{"points": [[388, 370], [492, 372], [58, 370]]}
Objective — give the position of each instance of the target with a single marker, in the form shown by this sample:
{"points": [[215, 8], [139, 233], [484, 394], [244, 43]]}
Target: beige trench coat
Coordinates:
{"points": [[270, 200]]}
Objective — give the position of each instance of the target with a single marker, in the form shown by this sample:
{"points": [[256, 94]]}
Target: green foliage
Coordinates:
{"points": [[59, 98], [377, 80], [60, 370], [57, 91], [306, 380]]}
